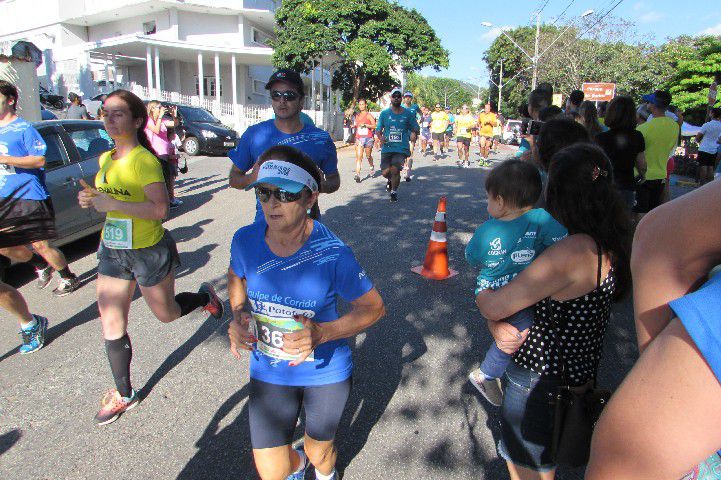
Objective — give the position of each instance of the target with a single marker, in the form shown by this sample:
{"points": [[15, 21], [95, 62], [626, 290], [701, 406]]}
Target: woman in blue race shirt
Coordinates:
{"points": [[283, 281]]}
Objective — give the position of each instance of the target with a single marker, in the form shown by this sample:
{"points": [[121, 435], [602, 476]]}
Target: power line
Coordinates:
{"points": [[619, 2], [563, 12]]}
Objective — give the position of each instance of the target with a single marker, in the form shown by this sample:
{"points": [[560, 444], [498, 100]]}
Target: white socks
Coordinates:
{"points": [[320, 476]]}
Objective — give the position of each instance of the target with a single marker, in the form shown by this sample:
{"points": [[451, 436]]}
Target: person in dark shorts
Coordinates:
{"points": [[26, 210], [707, 139], [396, 127], [135, 249], [284, 279]]}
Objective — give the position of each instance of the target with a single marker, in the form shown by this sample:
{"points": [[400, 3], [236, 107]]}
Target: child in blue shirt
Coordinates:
{"points": [[503, 246]]}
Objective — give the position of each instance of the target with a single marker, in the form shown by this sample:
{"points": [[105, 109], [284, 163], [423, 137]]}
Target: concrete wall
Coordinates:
{"points": [[132, 26], [206, 29]]}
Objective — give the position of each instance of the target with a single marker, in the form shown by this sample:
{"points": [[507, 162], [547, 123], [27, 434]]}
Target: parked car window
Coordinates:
{"points": [[55, 156], [191, 114], [91, 140]]}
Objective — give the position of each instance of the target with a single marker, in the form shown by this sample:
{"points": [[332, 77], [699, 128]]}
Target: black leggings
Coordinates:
{"points": [[274, 411]]}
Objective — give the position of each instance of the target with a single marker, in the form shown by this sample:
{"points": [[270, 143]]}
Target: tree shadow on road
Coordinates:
{"points": [[8, 439]]}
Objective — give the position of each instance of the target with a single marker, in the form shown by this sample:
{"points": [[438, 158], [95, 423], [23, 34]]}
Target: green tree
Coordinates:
{"points": [[429, 91], [693, 63], [367, 38]]}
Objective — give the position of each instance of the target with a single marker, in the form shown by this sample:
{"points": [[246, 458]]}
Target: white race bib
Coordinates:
{"points": [[269, 332], [118, 233], [363, 131], [6, 169], [395, 135]]}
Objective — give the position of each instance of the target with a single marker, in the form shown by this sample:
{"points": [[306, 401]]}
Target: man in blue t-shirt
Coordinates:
{"points": [[26, 211], [286, 92], [396, 128], [415, 110]]}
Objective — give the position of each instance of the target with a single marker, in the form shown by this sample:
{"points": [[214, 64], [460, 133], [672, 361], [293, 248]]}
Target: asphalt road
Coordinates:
{"points": [[412, 414]]}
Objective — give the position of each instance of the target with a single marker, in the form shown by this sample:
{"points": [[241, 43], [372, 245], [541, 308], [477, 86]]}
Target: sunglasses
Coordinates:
{"points": [[289, 95], [283, 196]]}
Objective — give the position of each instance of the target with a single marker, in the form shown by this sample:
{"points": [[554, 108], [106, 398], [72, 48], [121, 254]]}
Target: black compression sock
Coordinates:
{"points": [[190, 301], [65, 273], [38, 262], [120, 353]]}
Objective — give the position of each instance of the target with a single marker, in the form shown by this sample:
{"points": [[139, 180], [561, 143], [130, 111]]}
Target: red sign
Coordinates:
{"points": [[599, 92]]}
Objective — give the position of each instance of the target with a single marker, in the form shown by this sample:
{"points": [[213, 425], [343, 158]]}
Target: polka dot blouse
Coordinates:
{"points": [[580, 325]]}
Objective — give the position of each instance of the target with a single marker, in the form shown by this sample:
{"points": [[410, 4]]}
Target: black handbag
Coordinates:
{"points": [[577, 410]]}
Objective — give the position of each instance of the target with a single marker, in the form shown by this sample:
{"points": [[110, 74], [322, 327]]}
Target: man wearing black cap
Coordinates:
{"points": [[286, 92], [661, 137]]}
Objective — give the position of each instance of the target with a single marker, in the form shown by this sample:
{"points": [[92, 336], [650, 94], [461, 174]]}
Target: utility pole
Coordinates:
{"points": [[500, 86], [535, 54]]}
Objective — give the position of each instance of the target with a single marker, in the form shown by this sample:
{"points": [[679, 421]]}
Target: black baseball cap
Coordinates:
{"points": [[289, 76]]}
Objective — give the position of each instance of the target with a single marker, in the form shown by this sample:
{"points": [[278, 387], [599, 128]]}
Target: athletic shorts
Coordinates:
{"points": [[438, 136], [148, 266], [23, 222], [425, 135], [464, 140], [167, 167], [274, 411], [392, 159], [649, 195], [366, 142], [706, 159]]}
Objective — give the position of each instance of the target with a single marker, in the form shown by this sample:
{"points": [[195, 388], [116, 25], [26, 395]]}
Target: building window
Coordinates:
{"points": [[208, 86], [149, 28], [260, 38], [259, 88]]}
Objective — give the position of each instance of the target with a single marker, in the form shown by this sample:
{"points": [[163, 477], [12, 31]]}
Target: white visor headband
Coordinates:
{"points": [[278, 169]]}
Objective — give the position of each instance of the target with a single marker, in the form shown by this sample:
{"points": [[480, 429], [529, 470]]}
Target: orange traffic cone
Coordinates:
{"points": [[435, 266]]}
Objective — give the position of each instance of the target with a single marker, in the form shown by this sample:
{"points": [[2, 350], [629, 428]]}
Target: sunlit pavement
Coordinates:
{"points": [[411, 415]]}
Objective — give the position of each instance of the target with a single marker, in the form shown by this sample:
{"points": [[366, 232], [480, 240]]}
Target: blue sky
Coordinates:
{"points": [[458, 22]]}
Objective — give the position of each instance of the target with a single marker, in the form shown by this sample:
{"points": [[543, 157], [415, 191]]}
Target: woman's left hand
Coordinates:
{"points": [[103, 202], [302, 342]]}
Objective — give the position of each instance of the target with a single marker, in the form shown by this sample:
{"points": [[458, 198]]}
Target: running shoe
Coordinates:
{"points": [[409, 177], [34, 338], [215, 305], [394, 197], [113, 405], [490, 388], [175, 203], [66, 286], [388, 185], [44, 277], [372, 172], [356, 177], [300, 474]]}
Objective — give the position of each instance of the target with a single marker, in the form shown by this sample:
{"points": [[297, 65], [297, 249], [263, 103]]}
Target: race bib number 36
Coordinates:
{"points": [[118, 233], [269, 332]]}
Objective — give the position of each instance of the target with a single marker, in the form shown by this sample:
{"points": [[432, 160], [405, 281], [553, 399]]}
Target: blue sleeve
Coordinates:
{"points": [[329, 161], [236, 255], [552, 231], [414, 124], [34, 143], [700, 313], [476, 249], [351, 281], [241, 155], [380, 122]]}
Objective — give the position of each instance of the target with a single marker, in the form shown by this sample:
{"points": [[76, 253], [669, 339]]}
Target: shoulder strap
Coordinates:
{"points": [[600, 255]]}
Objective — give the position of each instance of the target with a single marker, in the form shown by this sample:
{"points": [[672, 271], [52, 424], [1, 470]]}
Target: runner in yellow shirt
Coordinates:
{"points": [[135, 249], [439, 124], [464, 123], [486, 121]]}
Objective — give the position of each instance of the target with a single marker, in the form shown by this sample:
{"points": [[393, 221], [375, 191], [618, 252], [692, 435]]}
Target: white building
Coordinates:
{"points": [[212, 53]]}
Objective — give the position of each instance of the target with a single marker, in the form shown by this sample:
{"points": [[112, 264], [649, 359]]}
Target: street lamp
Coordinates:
{"points": [[536, 56]]}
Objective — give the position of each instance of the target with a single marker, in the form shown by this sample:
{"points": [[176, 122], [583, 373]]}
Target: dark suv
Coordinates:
{"points": [[202, 132]]}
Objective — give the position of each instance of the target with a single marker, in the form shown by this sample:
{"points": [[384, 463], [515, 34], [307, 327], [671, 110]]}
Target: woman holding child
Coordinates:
{"points": [[572, 285]]}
